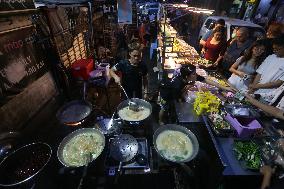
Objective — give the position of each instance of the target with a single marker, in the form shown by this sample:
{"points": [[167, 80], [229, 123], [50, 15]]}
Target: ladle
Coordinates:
{"points": [[89, 160], [132, 105]]}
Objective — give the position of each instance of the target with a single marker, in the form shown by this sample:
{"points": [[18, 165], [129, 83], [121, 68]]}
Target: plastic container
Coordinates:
{"points": [[245, 127], [82, 68]]}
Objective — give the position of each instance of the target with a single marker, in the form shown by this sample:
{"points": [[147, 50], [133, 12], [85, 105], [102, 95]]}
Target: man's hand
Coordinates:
{"points": [[267, 170], [252, 88], [242, 74], [117, 80]]}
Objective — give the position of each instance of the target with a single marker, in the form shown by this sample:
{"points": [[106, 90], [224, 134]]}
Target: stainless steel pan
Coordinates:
{"points": [[188, 133], [138, 102], [74, 112], [72, 135]]}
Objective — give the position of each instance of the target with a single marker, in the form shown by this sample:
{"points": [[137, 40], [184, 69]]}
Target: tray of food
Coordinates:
{"points": [[240, 110], [248, 153], [219, 125]]}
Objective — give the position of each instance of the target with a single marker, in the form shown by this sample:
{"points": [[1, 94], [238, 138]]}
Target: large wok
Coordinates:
{"points": [[89, 157], [74, 112], [140, 103], [189, 134], [72, 135], [22, 165], [173, 127]]}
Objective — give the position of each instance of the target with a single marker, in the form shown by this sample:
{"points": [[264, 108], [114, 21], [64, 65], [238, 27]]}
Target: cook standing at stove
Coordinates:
{"points": [[133, 74]]}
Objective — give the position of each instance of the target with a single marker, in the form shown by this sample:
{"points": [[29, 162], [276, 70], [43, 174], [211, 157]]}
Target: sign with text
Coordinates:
{"points": [[21, 62], [124, 11], [12, 5]]}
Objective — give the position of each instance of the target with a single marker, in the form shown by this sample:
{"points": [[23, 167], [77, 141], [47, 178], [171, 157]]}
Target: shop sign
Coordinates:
{"points": [[12, 5], [21, 62], [124, 11]]}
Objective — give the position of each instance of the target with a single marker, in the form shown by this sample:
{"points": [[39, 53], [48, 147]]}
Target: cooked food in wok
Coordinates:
{"points": [[130, 115], [174, 145], [78, 149]]}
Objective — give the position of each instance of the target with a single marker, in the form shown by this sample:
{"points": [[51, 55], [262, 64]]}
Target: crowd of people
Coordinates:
{"points": [[253, 66]]}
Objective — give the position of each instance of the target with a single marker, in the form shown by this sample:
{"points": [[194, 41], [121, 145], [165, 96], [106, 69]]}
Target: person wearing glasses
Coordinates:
{"points": [[133, 74], [270, 74]]}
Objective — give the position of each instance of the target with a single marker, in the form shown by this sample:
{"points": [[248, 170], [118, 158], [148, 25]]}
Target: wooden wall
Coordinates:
{"points": [[23, 106]]}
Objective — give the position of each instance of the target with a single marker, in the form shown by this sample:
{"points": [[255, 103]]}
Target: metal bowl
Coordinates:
{"points": [[24, 164], [109, 126]]}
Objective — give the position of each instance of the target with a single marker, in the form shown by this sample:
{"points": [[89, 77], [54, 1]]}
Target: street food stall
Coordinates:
{"points": [[217, 138]]}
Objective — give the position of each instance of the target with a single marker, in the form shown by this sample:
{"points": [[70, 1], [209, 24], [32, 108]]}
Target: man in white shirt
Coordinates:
{"points": [[270, 73]]}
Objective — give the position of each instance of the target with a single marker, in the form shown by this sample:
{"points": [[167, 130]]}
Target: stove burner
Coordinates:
{"points": [[141, 160]]}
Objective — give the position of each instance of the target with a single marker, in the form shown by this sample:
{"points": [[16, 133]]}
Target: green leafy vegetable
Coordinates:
{"points": [[248, 152]]}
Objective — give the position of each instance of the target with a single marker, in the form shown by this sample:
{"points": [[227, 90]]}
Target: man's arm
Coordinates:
{"points": [[275, 112], [269, 85], [210, 82], [252, 86], [204, 38], [114, 75]]}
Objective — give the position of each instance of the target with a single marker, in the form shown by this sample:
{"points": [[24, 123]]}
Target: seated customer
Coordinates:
{"points": [[235, 50], [215, 46], [244, 69], [270, 73]]}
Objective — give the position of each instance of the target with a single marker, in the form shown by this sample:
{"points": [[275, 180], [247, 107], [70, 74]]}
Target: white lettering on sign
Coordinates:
{"points": [[35, 68], [10, 2], [19, 69]]}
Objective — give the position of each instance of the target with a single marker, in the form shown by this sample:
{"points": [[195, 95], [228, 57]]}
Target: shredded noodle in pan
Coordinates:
{"points": [[174, 145], [130, 115], [78, 149]]}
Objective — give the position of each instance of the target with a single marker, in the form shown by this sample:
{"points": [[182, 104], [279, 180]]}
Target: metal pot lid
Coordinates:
{"points": [[123, 148], [74, 111], [109, 126]]}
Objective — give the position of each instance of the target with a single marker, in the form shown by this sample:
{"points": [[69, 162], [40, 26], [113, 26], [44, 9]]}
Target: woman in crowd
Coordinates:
{"points": [[133, 74], [244, 69], [215, 46], [270, 74], [274, 30]]}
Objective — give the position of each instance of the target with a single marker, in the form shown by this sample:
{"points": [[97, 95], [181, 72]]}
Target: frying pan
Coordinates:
{"points": [[189, 134], [19, 167], [74, 112], [71, 136], [140, 103], [89, 157]]}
